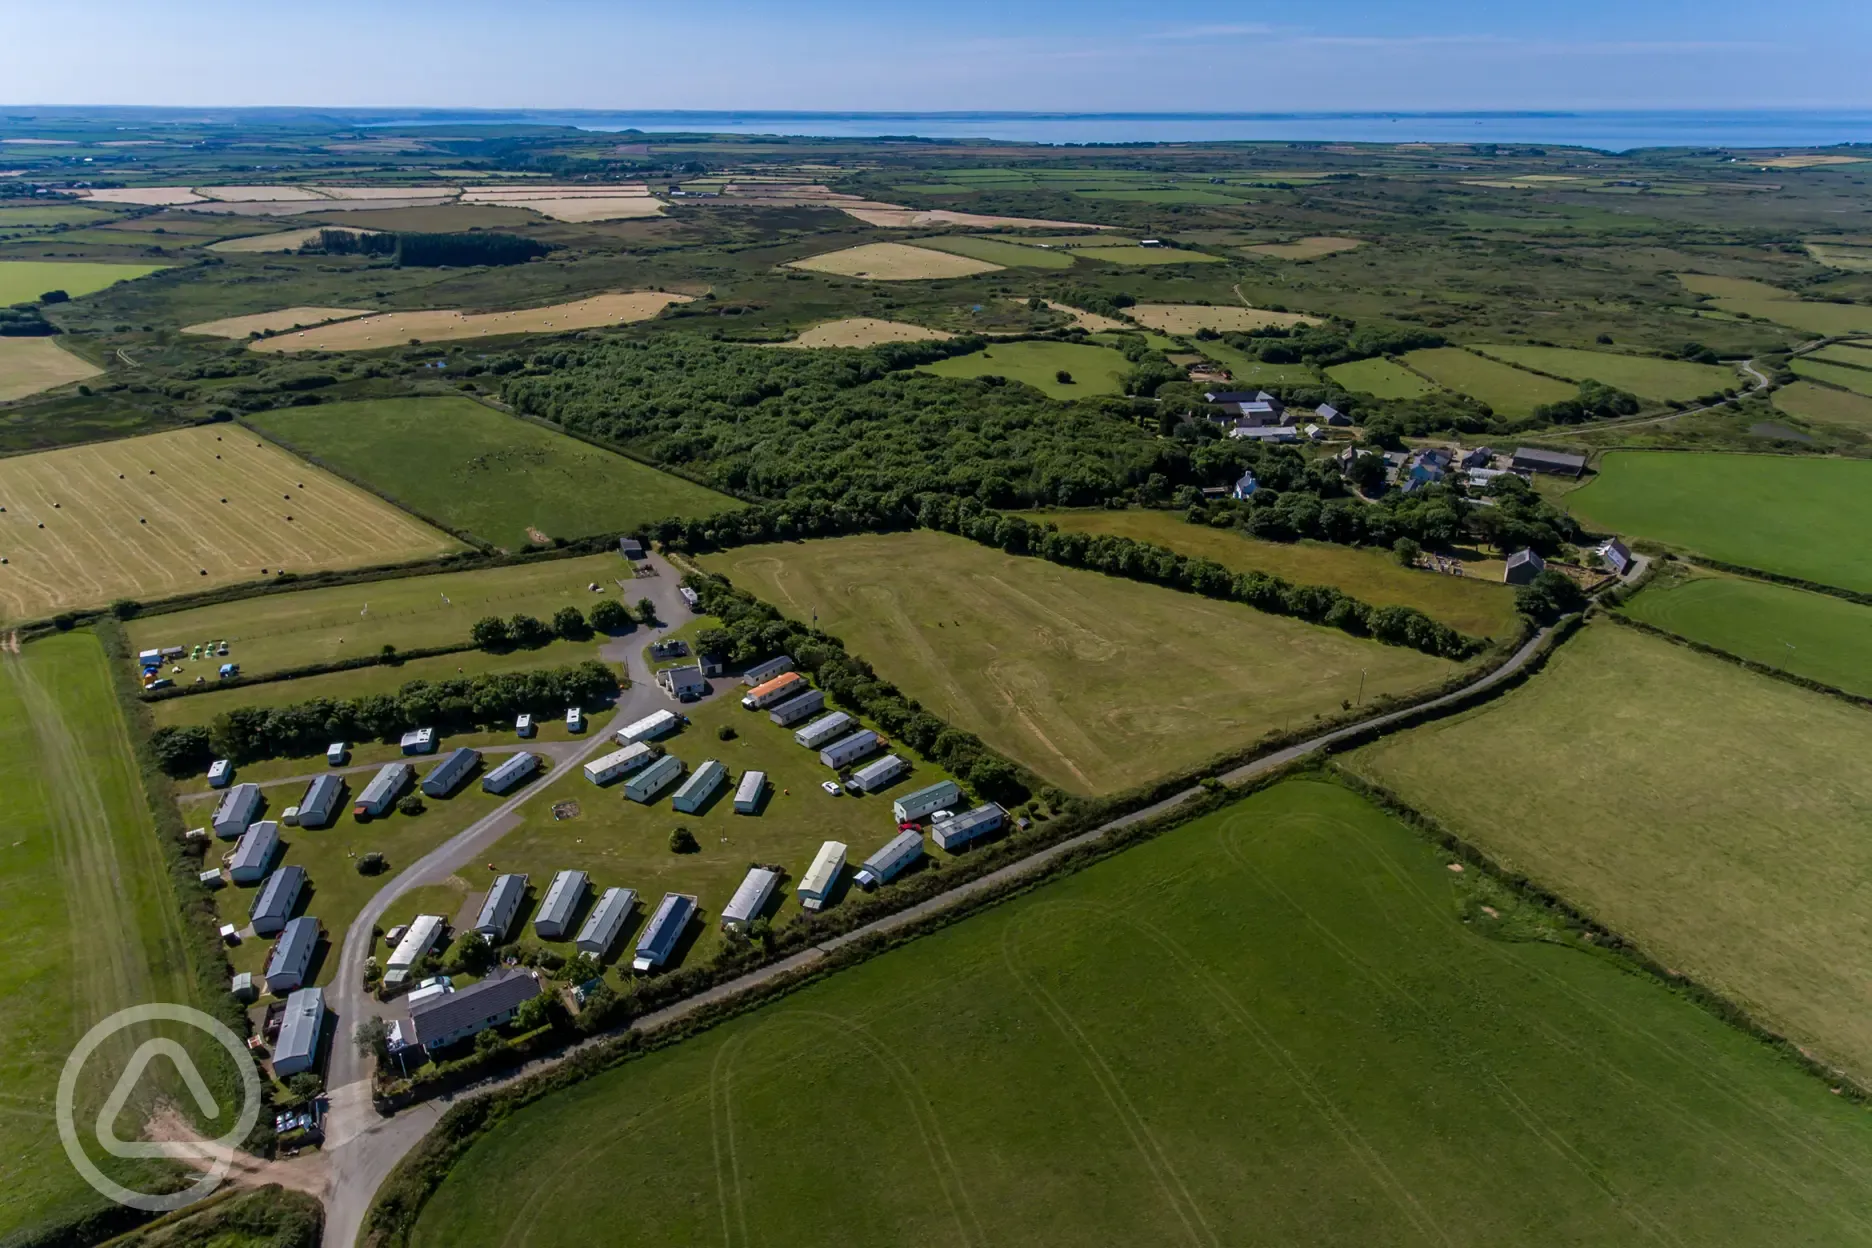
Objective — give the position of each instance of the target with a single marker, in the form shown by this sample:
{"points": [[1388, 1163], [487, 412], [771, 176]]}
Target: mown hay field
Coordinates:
{"points": [[1803, 517], [1004, 252], [1847, 377], [176, 512], [473, 469], [283, 240], [1096, 683], [1094, 370], [1187, 318], [1818, 636], [1479, 608], [1825, 405], [272, 322], [1648, 378], [1305, 248], [29, 365], [863, 331], [893, 262], [23, 281], [1509, 391], [1286, 1015], [394, 329], [1382, 378], [1714, 816]]}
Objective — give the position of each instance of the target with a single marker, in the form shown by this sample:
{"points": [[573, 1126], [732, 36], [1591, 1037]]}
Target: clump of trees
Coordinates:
{"points": [[23, 320], [427, 250], [1596, 401], [1549, 596]]}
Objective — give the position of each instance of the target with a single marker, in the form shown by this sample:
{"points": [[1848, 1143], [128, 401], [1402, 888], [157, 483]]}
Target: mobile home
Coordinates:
{"points": [[848, 750], [575, 719], [502, 904], [274, 903], [523, 726], [418, 941], [747, 798], [238, 807], [825, 729], [798, 707], [606, 921], [383, 790], [650, 727], [778, 689], [664, 931], [874, 776], [419, 741], [322, 799], [889, 862], [652, 780], [510, 773], [700, 787], [291, 956], [618, 763], [942, 795], [564, 896], [220, 773], [449, 774], [761, 673], [254, 853], [970, 825], [816, 886], [757, 887], [297, 1048]]}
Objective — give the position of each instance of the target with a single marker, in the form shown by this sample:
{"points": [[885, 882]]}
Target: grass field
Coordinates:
{"points": [[51, 214], [1000, 251], [862, 331], [1146, 255], [1825, 405], [1715, 816], [1813, 635], [279, 240], [23, 281], [894, 262], [1796, 516], [1187, 318], [1857, 354], [1648, 378], [175, 512], [1510, 391], [1476, 607], [482, 472], [1304, 248], [1857, 380], [1284, 1023], [1771, 303], [1094, 370], [394, 329], [29, 365], [1382, 378], [272, 322], [1096, 683]]}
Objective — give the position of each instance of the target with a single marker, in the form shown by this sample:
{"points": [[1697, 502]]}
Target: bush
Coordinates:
{"points": [[569, 622], [646, 611], [125, 608], [682, 841], [412, 804], [372, 863], [54, 296], [490, 633], [726, 733], [610, 616]]}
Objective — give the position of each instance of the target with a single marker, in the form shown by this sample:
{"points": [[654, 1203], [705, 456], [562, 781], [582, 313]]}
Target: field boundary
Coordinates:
{"points": [[1777, 578], [309, 669], [1749, 665]]}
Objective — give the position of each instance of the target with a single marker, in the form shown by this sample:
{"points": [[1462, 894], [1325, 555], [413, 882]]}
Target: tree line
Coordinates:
{"points": [[428, 250]]}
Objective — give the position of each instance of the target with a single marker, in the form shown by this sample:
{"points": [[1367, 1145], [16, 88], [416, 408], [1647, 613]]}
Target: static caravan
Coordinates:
{"points": [[274, 903], [747, 797], [502, 904], [824, 730], [664, 931], [652, 780], [822, 877], [757, 886], [336, 753], [322, 799], [700, 787], [419, 741], [970, 825], [510, 773], [690, 598], [291, 956], [418, 940], [254, 853], [523, 726], [383, 790], [238, 808], [618, 763], [429, 990], [650, 727], [888, 863], [848, 750], [606, 921], [942, 795], [778, 689], [451, 773], [297, 1048], [761, 673], [575, 719], [290, 817], [564, 896], [800, 706], [220, 773], [874, 776], [212, 879]]}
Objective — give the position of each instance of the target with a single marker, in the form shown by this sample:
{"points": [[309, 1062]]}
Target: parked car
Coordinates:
{"points": [[831, 786]]}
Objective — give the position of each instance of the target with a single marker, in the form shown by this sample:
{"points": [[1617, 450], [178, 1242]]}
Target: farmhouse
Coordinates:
{"points": [[747, 798], [502, 904], [664, 931], [889, 862], [652, 780], [220, 773], [791, 711], [291, 956], [650, 727], [1558, 463], [749, 899], [918, 805], [970, 825], [274, 903], [617, 763], [296, 1050], [456, 1016], [778, 689], [874, 776], [416, 945], [1479, 457], [510, 773], [254, 853], [383, 790], [564, 896], [606, 921], [1523, 566], [763, 672], [1245, 486], [826, 728], [238, 808], [450, 774], [685, 683], [815, 887], [700, 787], [419, 741], [1617, 556], [322, 799]]}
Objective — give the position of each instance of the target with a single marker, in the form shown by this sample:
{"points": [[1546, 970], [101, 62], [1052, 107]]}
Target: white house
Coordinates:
{"points": [[942, 795], [650, 727], [500, 907], [848, 750], [418, 940], [889, 862]]}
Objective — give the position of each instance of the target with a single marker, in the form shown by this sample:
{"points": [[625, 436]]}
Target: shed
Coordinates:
{"points": [[383, 790], [321, 802], [969, 826], [652, 780], [889, 862], [254, 853], [212, 879], [1266, 433], [712, 663], [419, 939], [700, 787], [684, 682], [273, 904], [799, 707], [825, 729], [631, 548], [781, 687], [1523, 567], [874, 776], [296, 1051], [918, 805], [513, 771], [501, 905], [766, 670], [220, 773], [1558, 463], [664, 931], [650, 727], [748, 793], [291, 955], [606, 920], [419, 741], [848, 750], [750, 899], [451, 773], [456, 1016], [336, 753], [564, 896], [1332, 415], [243, 987], [238, 807], [617, 763], [815, 887]]}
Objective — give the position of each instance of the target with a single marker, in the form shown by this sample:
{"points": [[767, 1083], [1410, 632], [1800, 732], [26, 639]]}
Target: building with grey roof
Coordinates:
{"points": [[748, 793], [274, 903], [238, 808], [815, 887], [457, 1016], [750, 899], [301, 1028], [763, 672], [889, 861], [969, 826], [652, 780], [449, 774], [700, 787], [664, 931], [874, 776], [419, 741], [511, 773], [684, 682], [322, 799], [1522, 567], [848, 750], [606, 920], [564, 896], [939, 796], [291, 956], [826, 728], [502, 904], [798, 707], [254, 853], [383, 790], [1558, 463]]}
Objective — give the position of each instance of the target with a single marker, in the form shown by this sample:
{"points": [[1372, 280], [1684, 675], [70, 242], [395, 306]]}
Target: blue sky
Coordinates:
{"points": [[1089, 55]]}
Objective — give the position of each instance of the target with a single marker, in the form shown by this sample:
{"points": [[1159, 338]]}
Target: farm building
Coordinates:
{"points": [[690, 598], [684, 683], [418, 942], [322, 799], [780, 688], [1558, 463], [457, 1016], [700, 787], [220, 773], [748, 794], [652, 780], [796, 708], [238, 808], [297, 1048], [254, 853], [750, 899], [1226, 397], [291, 956], [917, 805], [336, 753], [607, 919], [1617, 555], [564, 896], [1332, 415], [970, 825], [889, 862], [1523, 566], [1266, 433], [383, 790], [617, 763], [664, 931], [816, 886], [825, 729], [502, 904], [711, 664], [451, 773], [631, 547], [419, 741], [575, 719], [650, 727], [1477, 457], [765, 671], [848, 750], [273, 904], [874, 776], [510, 773]]}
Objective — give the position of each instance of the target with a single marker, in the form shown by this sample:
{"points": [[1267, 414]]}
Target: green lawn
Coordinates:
{"points": [[1824, 405], [999, 251], [1094, 370], [1284, 1023], [477, 470], [1147, 255], [1857, 380], [23, 281], [1510, 391], [1803, 517], [1813, 635], [1382, 378], [1643, 376], [1715, 816]]}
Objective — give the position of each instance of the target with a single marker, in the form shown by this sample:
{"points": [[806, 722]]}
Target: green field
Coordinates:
{"points": [[1715, 816], [50, 214], [1509, 391], [1857, 354], [1479, 608], [1168, 195], [23, 281], [476, 470], [1146, 255], [1857, 380], [1824, 405], [1382, 378], [1803, 517], [1097, 684], [999, 251], [1813, 635], [1642, 375], [1737, 295], [1094, 370], [1283, 1023]]}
